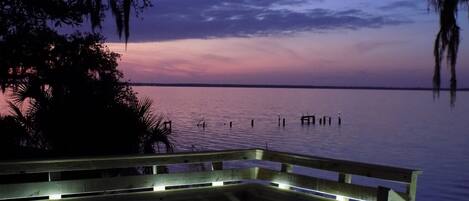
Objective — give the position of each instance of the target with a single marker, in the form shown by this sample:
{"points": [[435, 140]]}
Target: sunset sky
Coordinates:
{"points": [[306, 42]]}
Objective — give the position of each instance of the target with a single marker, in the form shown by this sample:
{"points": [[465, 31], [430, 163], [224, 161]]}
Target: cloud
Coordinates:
{"points": [[204, 19], [400, 4]]}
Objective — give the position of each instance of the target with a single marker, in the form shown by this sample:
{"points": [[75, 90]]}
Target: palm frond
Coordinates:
{"points": [[18, 114]]}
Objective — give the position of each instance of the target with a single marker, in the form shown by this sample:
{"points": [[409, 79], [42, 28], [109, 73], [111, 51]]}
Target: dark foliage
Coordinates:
{"points": [[447, 41], [15, 15], [74, 98]]}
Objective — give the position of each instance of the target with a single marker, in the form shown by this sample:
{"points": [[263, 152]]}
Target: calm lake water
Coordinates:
{"points": [[400, 128]]}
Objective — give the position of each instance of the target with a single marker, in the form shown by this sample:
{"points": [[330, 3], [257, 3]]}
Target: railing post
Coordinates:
{"points": [[217, 165], [387, 194], [53, 176], [383, 194], [159, 169], [286, 168], [345, 178], [412, 186]]}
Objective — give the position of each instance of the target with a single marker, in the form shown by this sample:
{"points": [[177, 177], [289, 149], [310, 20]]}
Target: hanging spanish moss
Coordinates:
{"points": [[120, 9], [447, 42]]}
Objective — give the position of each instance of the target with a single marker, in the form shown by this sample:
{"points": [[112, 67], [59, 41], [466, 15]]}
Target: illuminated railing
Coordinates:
{"points": [[342, 188]]}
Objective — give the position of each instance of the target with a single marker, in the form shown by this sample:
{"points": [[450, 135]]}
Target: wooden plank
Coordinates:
{"points": [[321, 185], [38, 189], [270, 193], [349, 167], [244, 192], [93, 163]]}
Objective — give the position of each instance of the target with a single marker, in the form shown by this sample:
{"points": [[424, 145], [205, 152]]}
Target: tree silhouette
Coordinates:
{"points": [[76, 102], [447, 41]]}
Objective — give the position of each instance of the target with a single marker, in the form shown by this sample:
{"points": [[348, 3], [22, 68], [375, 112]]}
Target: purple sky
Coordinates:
{"points": [[318, 42]]}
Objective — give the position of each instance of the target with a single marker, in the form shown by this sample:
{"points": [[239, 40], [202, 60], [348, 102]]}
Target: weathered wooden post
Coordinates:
{"points": [[217, 165], [412, 186], [286, 168], [231, 124], [320, 121], [339, 119], [345, 178], [53, 176], [330, 120], [283, 122], [387, 194], [159, 169], [168, 125], [382, 194], [252, 122], [314, 119]]}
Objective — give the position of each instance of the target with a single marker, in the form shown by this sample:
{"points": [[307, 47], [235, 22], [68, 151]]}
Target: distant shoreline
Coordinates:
{"points": [[287, 86]]}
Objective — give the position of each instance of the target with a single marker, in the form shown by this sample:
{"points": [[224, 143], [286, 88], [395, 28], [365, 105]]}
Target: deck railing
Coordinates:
{"points": [[343, 187]]}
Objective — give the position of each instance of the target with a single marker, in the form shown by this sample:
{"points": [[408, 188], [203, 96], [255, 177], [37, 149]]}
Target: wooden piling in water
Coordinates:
{"points": [[231, 124], [330, 120], [252, 122], [308, 119], [168, 125], [283, 122]]}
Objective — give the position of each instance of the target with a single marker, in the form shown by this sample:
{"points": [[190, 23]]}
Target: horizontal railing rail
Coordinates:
{"points": [[106, 162], [285, 177]]}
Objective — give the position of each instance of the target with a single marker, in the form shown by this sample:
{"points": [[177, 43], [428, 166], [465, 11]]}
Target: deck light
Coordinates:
{"points": [[217, 183], [55, 197], [159, 188], [283, 186], [340, 198]]}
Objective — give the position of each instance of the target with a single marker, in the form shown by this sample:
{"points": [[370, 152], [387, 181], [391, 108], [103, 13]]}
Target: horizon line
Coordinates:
{"points": [[287, 86]]}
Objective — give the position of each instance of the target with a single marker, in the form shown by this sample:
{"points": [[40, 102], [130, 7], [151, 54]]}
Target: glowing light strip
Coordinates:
{"points": [[217, 183], [55, 197], [159, 188], [338, 197], [283, 186]]}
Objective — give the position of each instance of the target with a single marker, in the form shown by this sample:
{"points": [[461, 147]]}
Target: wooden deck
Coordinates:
{"points": [[236, 192], [135, 185]]}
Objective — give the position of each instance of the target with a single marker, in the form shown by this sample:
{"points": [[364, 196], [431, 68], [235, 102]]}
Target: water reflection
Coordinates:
{"points": [[401, 128]]}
